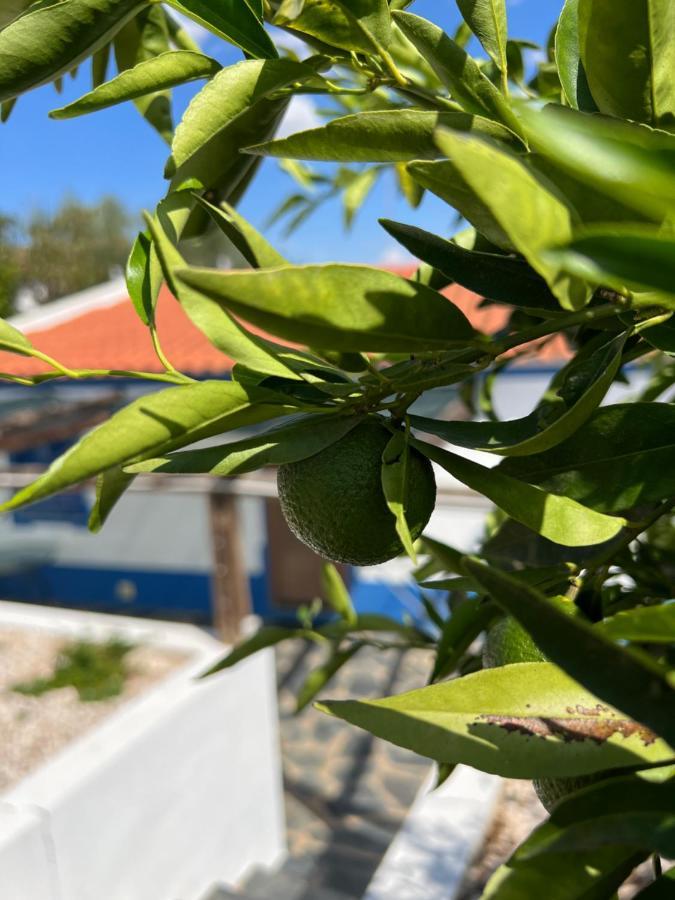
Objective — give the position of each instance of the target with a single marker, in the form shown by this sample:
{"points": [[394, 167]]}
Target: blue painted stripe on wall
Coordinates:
{"points": [[172, 595]]}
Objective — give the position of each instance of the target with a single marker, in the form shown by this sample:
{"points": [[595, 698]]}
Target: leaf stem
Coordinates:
{"points": [[550, 326]]}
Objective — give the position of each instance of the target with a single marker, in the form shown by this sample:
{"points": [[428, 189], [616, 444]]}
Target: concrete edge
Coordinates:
{"points": [[429, 857]]}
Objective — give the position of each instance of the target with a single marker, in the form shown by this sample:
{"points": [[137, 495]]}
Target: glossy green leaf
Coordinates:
{"points": [[620, 256], [487, 20], [285, 444], [557, 518], [144, 277], [574, 393], [336, 594], [624, 811], [644, 625], [13, 341], [622, 457], [230, 19], [164, 71], [457, 70], [629, 57], [223, 331], [386, 135], [110, 487], [155, 423], [630, 163], [593, 875], [504, 184], [568, 60], [256, 249], [339, 307], [635, 683], [353, 25], [505, 279], [447, 559], [232, 111], [319, 677], [526, 720], [141, 40], [446, 180], [50, 40], [394, 487], [662, 336]]}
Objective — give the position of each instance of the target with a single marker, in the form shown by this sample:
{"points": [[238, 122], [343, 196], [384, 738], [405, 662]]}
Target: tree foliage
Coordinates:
{"points": [[564, 176]]}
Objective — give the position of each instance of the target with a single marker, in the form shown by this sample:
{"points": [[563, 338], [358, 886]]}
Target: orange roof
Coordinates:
{"points": [[111, 336]]}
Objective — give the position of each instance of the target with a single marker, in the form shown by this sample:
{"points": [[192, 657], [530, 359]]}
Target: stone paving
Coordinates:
{"points": [[346, 792]]}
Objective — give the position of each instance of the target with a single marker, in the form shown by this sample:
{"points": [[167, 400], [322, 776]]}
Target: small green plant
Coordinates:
{"points": [[96, 671]]}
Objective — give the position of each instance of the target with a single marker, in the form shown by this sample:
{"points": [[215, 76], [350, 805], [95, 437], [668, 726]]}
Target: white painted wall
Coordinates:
{"points": [[177, 792]]}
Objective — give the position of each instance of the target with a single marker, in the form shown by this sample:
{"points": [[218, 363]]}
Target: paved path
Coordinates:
{"points": [[346, 792]]}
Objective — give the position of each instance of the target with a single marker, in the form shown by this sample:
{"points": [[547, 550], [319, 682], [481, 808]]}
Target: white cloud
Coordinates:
{"points": [[300, 116], [394, 256]]}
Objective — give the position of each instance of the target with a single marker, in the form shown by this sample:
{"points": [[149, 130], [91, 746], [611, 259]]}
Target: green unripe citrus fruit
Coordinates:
{"points": [[507, 642], [334, 502]]}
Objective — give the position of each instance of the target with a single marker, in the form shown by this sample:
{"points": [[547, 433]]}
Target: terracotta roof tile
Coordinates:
{"points": [[114, 337]]}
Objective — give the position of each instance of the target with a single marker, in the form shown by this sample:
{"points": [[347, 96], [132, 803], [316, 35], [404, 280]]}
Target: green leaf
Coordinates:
{"points": [[232, 111], [620, 256], [338, 307], [643, 624], [628, 811], [557, 518], [319, 677], [224, 332], [447, 558], [385, 135], [11, 9], [576, 876], [629, 163], [50, 40], [13, 341], [356, 192], [144, 277], [162, 421], [618, 675], [505, 279], [623, 456], [336, 594], [268, 636], [457, 70], [629, 57], [526, 720], [110, 486], [568, 60], [232, 20], [142, 39], [256, 249], [158, 73], [446, 180], [394, 486], [574, 393], [487, 20], [358, 26], [461, 628], [504, 184], [285, 444], [662, 336]]}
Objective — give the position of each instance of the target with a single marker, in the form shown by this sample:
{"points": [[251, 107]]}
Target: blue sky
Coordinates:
{"points": [[116, 152]]}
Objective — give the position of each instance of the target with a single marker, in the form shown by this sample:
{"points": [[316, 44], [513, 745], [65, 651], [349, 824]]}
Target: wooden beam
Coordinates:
{"points": [[231, 594]]}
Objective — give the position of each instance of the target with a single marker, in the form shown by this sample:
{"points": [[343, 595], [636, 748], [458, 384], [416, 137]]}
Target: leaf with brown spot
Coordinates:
{"points": [[526, 720]]}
